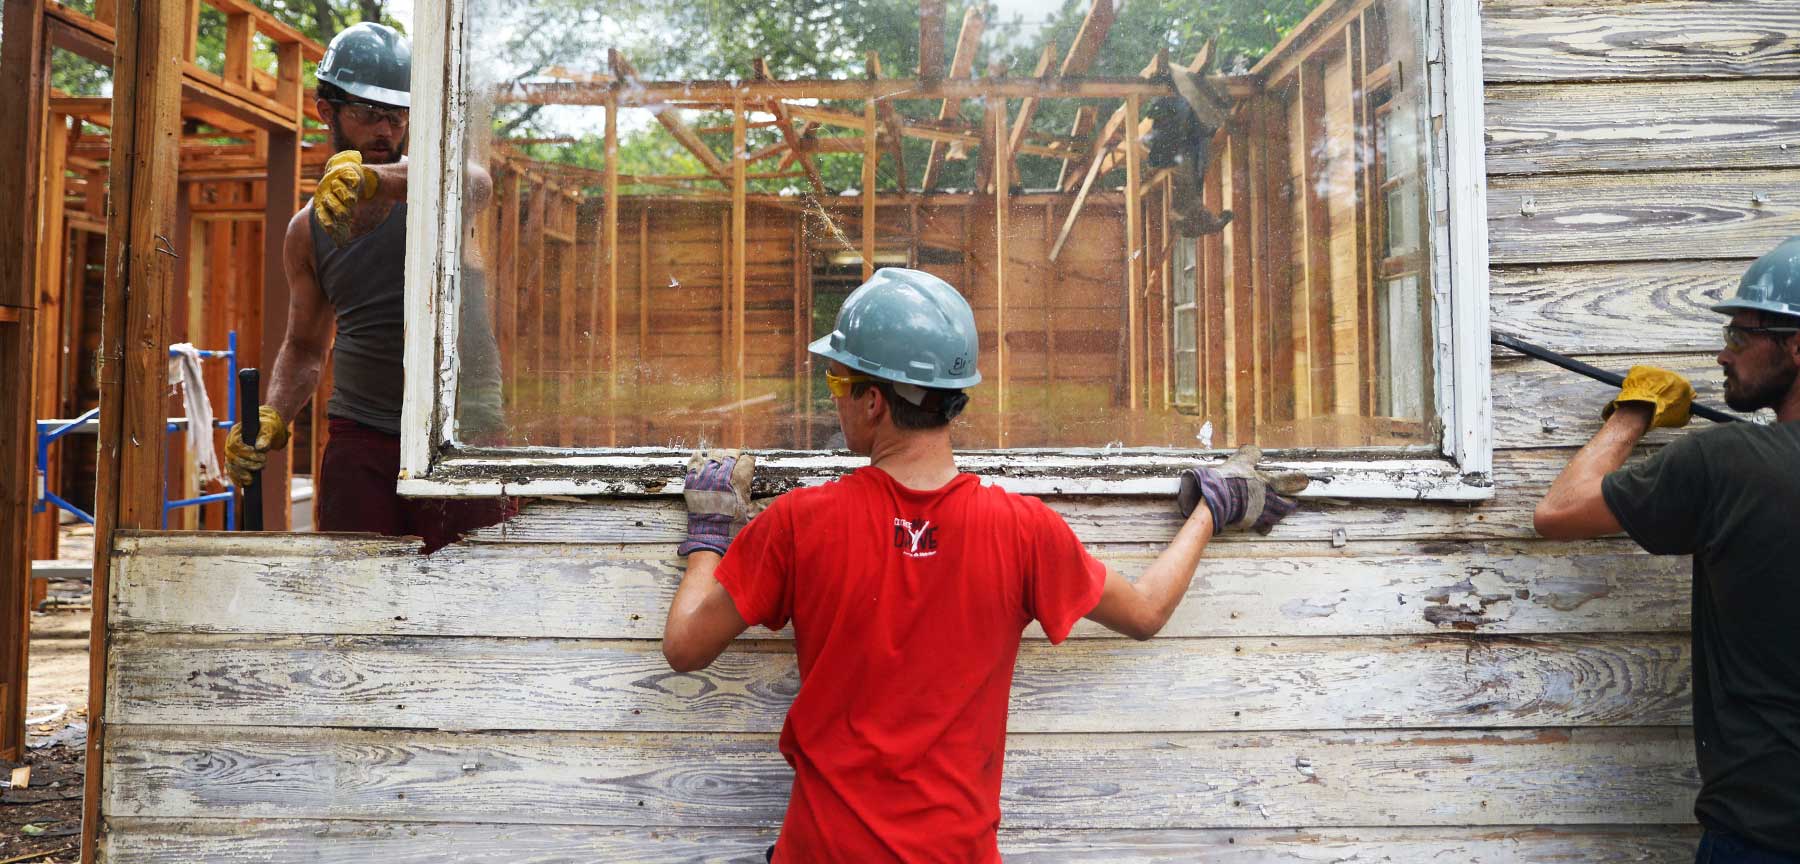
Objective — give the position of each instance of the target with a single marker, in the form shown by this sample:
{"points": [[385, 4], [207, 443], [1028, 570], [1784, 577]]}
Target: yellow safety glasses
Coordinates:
{"points": [[839, 385]]}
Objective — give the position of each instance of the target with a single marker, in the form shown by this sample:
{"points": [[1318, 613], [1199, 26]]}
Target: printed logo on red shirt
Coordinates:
{"points": [[913, 542]]}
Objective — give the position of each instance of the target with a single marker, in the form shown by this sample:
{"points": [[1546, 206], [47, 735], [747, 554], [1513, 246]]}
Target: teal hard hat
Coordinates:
{"points": [[1772, 284], [370, 61], [908, 327]]}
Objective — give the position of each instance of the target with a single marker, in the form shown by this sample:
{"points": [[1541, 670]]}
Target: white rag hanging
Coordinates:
{"points": [[184, 372]]}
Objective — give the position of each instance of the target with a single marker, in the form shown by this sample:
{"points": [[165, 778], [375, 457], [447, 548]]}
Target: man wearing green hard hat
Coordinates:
{"points": [[345, 258], [1728, 496], [909, 586]]}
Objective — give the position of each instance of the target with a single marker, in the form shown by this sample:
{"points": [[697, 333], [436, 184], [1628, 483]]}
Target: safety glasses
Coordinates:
{"points": [[840, 385], [1736, 338], [369, 115]]}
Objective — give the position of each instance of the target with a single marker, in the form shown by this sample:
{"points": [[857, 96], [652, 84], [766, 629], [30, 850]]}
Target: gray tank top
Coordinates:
{"points": [[365, 281]]}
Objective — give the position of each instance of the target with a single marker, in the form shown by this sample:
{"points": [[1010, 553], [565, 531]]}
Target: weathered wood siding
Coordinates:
{"points": [[1437, 684]]}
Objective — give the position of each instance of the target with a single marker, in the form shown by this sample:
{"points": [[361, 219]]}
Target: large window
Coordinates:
{"points": [[1182, 226]]}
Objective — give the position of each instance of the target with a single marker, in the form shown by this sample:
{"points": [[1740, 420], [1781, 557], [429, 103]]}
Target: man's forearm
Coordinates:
{"points": [[296, 376], [1608, 450], [1166, 580]]}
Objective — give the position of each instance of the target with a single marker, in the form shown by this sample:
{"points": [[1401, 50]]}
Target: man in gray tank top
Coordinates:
{"points": [[345, 257]]}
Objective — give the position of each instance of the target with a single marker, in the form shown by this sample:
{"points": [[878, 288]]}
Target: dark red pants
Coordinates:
{"points": [[356, 493]]}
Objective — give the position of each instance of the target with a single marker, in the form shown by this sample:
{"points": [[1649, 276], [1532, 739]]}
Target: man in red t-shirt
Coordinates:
{"points": [[909, 586]]}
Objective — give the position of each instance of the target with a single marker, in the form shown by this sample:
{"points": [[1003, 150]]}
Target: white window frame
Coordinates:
{"points": [[1458, 469]]}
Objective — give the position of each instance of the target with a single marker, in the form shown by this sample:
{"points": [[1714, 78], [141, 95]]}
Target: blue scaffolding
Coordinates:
{"points": [[50, 431]]}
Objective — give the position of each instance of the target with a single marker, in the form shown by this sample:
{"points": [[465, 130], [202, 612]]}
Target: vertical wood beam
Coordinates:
{"points": [[24, 99], [931, 40], [1242, 236], [726, 313], [48, 383], [797, 350], [611, 246], [643, 331], [803, 276], [1166, 329], [506, 295], [531, 306], [1211, 281], [870, 157], [1134, 249], [568, 308], [996, 129], [281, 200], [133, 357], [1366, 211], [1317, 234], [1278, 198], [738, 268], [240, 48]]}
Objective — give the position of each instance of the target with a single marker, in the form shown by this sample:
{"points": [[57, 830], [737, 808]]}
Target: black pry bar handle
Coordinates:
{"points": [[250, 499], [1598, 374]]}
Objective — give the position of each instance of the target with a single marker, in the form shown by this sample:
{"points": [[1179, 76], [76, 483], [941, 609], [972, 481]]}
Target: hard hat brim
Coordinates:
{"points": [[383, 95], [822, 347], [1731, 306]]}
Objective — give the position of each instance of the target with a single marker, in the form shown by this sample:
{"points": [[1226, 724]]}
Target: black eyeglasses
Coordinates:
{"points": [[369, 115], [1737, 337]]}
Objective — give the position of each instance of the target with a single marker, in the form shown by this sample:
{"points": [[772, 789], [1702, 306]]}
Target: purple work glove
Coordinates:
{"points": [[1238, 495], [717, 489]]}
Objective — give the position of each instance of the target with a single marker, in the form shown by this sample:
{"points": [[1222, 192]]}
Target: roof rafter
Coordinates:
{"points": [[961, 66], [677, 127]]}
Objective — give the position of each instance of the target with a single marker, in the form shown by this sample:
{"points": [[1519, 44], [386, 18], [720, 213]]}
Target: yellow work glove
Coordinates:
{"points": [[1667, 393], [242, 460], [345, 184]]}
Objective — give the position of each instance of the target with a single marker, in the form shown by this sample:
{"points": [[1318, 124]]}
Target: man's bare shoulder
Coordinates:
{"points": [[297, 243]]}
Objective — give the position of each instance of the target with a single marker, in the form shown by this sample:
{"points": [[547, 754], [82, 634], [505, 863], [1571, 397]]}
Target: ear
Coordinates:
{"points": [[878, 407], [326, 111]]}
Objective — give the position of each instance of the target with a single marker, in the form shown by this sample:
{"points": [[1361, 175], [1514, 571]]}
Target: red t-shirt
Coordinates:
{"points": [[908, 608]]}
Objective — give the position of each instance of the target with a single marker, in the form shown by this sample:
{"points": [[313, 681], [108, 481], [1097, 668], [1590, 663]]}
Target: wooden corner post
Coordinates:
{"points": [[141, 267], [24, 88]]}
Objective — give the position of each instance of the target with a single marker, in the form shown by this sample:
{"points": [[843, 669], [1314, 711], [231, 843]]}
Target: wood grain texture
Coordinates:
{"points": [[340, 585], [151, 841], [1540, 405], [1663, 126], [1639, 217], [1092, 685], [1601, 40], [1216, 780], [1615, 308]]}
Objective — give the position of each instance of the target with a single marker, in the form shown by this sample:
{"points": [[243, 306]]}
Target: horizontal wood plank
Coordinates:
{"points": [[260, 583], [1084, 686], [1638, 217], [1634, 307], [1678, 126], [1214, 780], [149, 841], [1540, 405], [1597, 40]]}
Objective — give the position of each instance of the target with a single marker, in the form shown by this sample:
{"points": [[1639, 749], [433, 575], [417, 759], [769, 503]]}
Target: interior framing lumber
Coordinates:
{"points": [[962, 65], [669, 120], [797, 145]]}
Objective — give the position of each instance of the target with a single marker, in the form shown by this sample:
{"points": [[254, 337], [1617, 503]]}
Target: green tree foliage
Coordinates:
{"points": [[720, 39]]}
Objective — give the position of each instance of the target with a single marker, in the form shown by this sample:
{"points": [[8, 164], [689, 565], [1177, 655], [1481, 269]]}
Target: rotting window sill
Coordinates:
{"points": [[1415, 473]]}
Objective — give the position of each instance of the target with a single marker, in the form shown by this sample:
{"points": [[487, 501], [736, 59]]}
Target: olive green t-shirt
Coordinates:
{"points": [[1730, 496]]}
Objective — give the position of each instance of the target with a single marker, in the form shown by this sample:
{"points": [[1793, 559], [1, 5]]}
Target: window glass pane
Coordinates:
{"points": [[1137, 265]]}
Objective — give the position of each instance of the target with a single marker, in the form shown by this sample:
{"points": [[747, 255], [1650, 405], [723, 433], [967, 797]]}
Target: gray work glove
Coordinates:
{"points": [[1238, 495], [718, 498]]}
